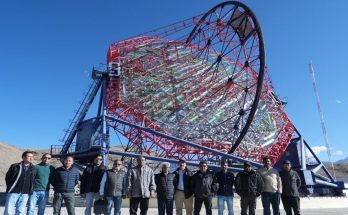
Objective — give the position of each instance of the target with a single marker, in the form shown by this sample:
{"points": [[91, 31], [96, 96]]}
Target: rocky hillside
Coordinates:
{"points": [[341, 170], [8, 154]]}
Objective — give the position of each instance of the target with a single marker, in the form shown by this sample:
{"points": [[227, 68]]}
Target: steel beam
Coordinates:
{"points": [[194, 145], [170, 160]]}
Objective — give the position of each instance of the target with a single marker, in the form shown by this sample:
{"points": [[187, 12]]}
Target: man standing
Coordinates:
{"points": [[44, 173], [165, 184], [272, 187], [141, 185], [20, 179], [184, 193], [64, 180], [225, 192], [113, 187], [204, 186], [249, 186], [291, 183], [90, 182]]}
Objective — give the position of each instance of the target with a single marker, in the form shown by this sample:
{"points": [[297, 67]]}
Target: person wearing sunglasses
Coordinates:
{"points": [[205, 186], [113, 187], [44, 173], [90, 182]]}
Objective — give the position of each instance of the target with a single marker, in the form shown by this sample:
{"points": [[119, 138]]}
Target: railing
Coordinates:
{"points": [[56, 149]]}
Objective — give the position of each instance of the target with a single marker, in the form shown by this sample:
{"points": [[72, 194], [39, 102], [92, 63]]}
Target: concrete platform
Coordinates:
{"points": [[153, 211], [309, 206]]}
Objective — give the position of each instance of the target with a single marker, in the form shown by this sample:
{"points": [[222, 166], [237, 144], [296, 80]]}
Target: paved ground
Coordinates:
{"points": [[152, 211], [310, 206]]}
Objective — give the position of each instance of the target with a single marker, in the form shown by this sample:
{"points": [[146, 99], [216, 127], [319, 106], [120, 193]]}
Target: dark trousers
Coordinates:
{"points": [[69, 199], [291, 203], [134, 203], [268, 199], [165, 205], [248, 202], [207, 203]]}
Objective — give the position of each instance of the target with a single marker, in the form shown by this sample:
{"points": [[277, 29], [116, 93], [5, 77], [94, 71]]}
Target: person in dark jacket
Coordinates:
{"points": [[225, 192], [113, 186], [90, 182], [165, 188], [204, 186], [291, 183], [20, 179], [44, 173], [183, 193], [64, 180], [249, 186]]}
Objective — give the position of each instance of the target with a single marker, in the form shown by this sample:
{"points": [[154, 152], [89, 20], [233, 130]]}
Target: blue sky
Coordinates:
{"points": [[47, 49]]}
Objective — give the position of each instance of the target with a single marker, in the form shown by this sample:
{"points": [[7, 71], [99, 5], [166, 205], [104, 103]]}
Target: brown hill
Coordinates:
{"points": [[341, 171], [8, 154]]}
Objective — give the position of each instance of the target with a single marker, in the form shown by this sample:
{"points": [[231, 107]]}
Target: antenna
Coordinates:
{"points": [[321, 118]]}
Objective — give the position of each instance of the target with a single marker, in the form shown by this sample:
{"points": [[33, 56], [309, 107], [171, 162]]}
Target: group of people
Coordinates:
{"points": [[193, 189], [28, 183]]}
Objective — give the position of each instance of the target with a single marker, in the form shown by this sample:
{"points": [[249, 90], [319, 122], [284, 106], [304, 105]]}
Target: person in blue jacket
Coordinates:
{"points": [[64, 181]]}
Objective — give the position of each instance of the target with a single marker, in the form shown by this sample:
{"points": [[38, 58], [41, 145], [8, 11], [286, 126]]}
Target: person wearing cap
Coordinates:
{"points": [[249, 186], [225, 180], [272, 187], [291, 183], [183, 190], [165, 188]]}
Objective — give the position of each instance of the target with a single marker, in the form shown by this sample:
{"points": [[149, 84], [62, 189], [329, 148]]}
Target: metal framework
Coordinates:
{"points": [[196, 90], [202, 85]]}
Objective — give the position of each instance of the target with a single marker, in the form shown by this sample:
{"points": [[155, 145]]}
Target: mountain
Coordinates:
{"points": [[345, 160]]}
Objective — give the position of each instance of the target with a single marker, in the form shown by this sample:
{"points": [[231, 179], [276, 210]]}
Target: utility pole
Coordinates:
{"points": [[326, 140]]}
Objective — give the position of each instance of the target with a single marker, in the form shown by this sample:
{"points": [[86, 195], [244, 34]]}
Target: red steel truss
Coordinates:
{"points": [[202, 80]]}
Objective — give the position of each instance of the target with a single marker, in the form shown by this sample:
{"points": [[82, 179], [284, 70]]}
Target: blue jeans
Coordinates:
{"points": [[165, 205], [89, 202], [15, 203], [268, 198], [221, 204], [115, 201], [39, 197]]}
